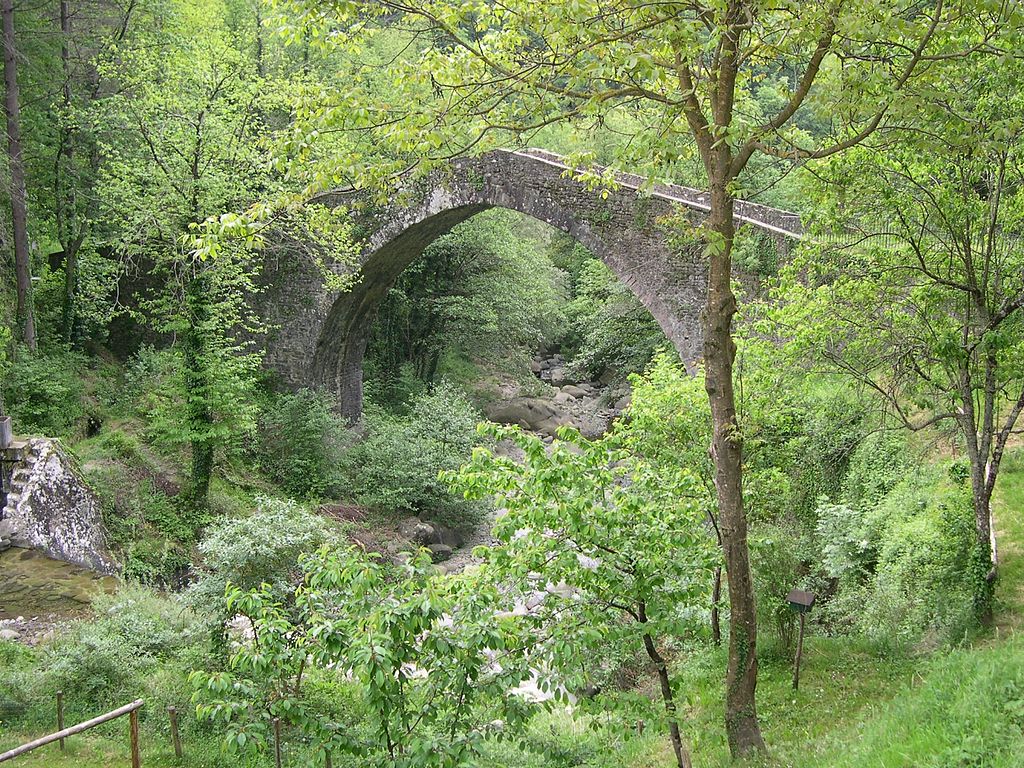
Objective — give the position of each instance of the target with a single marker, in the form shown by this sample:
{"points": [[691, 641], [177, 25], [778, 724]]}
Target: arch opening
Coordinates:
{"points": [[342, 344]]}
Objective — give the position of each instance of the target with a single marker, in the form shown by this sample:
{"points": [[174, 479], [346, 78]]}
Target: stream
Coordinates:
{"points": [[37, 592]]}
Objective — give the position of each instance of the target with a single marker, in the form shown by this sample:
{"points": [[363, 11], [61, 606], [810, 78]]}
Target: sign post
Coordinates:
{"points": [[801, 602]]}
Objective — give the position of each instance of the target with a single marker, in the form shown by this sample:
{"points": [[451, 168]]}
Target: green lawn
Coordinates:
{"points": [[101, 752]]}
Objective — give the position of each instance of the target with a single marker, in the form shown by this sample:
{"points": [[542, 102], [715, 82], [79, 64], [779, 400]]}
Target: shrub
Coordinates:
{"points": [[777, 556], [43, 393], [263, 547], [396, 467], [19, 694], [844, 538], [930, 574], [104, 662], [876, 466], [301, 445]]}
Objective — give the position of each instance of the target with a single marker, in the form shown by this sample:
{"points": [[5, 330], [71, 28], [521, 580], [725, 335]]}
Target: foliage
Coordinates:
{"points": [[606, 552], [930, 572], [845, 541], [779, 555], [395, 468], [103, 663], [185, 149], [926, 310], [611, 330], [485, 290], [261, 549], [876, 466], [301, 444], [43, 392], [419, 648]]}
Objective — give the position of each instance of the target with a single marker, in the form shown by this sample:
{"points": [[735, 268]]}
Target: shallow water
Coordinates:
{"points": [[32, 584]]}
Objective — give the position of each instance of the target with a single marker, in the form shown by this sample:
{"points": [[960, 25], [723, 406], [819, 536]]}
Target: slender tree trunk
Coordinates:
{"points": [[67, 202], [19, 206], [716, 596], [665, 682], [196, 381], [741, 723]]}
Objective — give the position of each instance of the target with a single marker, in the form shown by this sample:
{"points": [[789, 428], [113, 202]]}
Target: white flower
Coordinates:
{"points": [[587, 562]]}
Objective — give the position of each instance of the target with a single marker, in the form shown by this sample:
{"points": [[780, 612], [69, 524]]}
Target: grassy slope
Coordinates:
{"points": [[964, 708]]}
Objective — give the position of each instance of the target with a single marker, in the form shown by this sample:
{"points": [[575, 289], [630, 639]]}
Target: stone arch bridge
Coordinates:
{"points": [[319, 336]]}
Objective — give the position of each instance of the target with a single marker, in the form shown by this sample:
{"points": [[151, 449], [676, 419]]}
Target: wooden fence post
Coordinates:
{"points": [[60, 716], [799, 654], [133, 737], [172, 712]]}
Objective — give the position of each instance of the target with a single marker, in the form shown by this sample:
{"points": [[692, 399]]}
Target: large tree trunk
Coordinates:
{"points": [[979, 443], [741, 723], [19, 207]]}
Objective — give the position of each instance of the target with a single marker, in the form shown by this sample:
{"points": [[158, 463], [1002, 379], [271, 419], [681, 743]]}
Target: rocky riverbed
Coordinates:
{"points": [[567, 400], [38, 594]]}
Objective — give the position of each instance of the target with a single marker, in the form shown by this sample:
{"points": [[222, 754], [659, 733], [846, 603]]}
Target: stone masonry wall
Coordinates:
{"points": [[319, 337], [52, 509]]}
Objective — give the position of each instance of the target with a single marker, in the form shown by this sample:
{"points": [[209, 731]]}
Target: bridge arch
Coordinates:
{"points": [[621, 227]]}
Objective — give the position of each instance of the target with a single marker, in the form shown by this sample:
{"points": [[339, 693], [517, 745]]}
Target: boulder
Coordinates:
{"points": [[527, 412], [559, 376], [449, 536], [419, 532], [564, 397], [573, 390], [536, 367], [440, 552], [9, 634], [623, 403], [515, 411], [550, 425]]}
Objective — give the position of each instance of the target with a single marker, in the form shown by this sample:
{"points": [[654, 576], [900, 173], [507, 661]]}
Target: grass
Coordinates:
{"points": [[1008, 509], [101, 752]]}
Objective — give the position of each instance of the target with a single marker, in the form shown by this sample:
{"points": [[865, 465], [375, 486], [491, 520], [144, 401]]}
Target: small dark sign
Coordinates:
{"points": [[800, 601]]}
